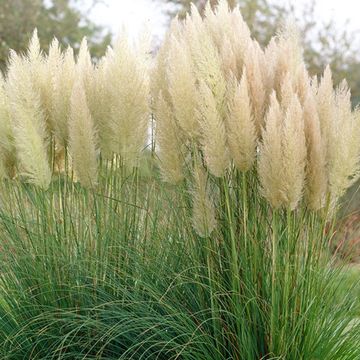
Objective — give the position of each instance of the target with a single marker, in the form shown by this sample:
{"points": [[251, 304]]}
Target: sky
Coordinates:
{"points": [[135, 14]]}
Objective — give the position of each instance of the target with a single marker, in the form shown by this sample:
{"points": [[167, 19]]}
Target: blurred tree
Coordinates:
{"points": [[324, 43], [61, 18]]}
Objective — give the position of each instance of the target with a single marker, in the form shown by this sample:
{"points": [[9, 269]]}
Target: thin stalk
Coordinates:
{"points": [[274, 305]]}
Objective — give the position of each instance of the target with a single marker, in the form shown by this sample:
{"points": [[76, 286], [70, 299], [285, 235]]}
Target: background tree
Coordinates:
{"points": [[324, 43], [61, 18]]}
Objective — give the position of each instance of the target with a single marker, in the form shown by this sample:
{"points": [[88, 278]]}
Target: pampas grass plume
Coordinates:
{"points": [[270, 167], [28, 122], [326, 104], [213, 132], [241, 128], [343, 145], [127, 87], [82, 137], [63, 85], [7, 145], [169, 143], [206, 58], [40, 69], [293, 154], [256, 82], [182, 87], [316, 171], [51, 67]]}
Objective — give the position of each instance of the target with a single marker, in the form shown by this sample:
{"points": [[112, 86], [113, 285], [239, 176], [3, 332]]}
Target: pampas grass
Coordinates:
{"points": [[83, 137], [29, 122], [241, 128], [208, 240], [128, 100], [63, 82]]}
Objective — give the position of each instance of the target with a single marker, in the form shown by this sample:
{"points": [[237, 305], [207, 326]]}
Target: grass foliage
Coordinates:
{"points": [[211, 242], [119, 273]]}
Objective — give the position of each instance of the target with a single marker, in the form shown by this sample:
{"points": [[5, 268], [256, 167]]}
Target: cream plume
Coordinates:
{"points": [[293, 155], [270, 165], [34, 53], [63, 84], [283, 155], [213, 132], [241, 128], [286, 92], [182, 87], [326, 104], [51, 67], [168, 142], [159, 80], [85, 73], [288, 57], [343, 145], [256, 83], [7, 145], [271, 54], [127, 86], [28, 122], [230, 34], [40, 76], [316, 172], [228, 59], [302, 84], [102, 104], [218, 22], [206, 58], [82, 137]]}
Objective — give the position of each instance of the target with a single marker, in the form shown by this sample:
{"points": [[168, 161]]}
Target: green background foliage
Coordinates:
{"points": [[324, 42], [63, 19]]}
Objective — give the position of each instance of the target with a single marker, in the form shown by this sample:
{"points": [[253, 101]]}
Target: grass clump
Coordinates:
{"points": [[211, 242]]}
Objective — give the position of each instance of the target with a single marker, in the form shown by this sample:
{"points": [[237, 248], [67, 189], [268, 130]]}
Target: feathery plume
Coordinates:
{"points": [[170, 145], [293, 155], [302, 84], [206, 58], [63, 85], [51, 67], [257, 88], [241, 128], [344, 145], [182, 87], [85, 73], [159, 80], [230, 35], [213, 132], [34, 53], [326, 104], [28, 122], [316, 172], [286, 93], [82, 137], [7, 146], [204, 221], [84, 63], [270, 59], [228, 59], [102, 104], [270, 155], [218, 22], [128, 91], [288, 58], [240, 36], [41, 78]]}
